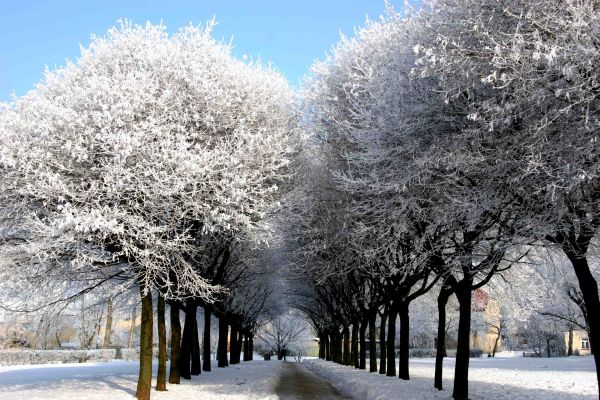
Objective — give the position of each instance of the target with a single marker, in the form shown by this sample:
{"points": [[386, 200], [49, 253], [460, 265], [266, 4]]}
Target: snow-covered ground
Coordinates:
{"points": [[503, 378], [491, 378], [117, 380]]}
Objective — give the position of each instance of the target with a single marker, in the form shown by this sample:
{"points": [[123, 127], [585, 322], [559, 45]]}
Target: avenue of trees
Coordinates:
{"points": [[430, 153]]}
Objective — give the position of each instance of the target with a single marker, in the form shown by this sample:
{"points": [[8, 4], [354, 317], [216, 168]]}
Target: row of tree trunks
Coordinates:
{"points": [[185, 348]]}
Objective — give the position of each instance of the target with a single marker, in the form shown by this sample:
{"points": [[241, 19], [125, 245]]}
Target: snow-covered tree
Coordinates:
{"points": [[116, 162]]}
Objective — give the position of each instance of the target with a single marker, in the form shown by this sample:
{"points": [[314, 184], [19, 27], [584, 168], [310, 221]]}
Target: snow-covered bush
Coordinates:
{"points": [[130, 354], [25, 357], [422, 353]]}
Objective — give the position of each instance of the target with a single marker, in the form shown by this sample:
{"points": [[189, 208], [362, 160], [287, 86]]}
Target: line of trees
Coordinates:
{"points": [[152, 161], [450, 141]]}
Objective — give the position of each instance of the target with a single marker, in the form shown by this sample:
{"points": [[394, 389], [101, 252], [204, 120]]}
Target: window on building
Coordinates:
{"points": [[585, 343]]}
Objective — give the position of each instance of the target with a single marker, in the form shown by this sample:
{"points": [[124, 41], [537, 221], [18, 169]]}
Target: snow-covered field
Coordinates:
{"points": [[563, 378], [117, 380]]}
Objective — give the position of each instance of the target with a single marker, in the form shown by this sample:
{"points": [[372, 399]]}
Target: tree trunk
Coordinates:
{"points": [[391, 341], [363, 345], [461, 370], [372, 343], [206, 340], [196, 368], [321, 346], [440, 352], [235, 345], [144, 384], [403, 372], [186, 341], [382, 346], [327, 346], [495, 345], [347, 358], [174, 373], [161, 377], [570, 343], [239, 345], [247, 347], [251, 349], [338, 356], [132, 326], [332, 346], [589, 290], [223, 336], [108, 327], [354, 346]]}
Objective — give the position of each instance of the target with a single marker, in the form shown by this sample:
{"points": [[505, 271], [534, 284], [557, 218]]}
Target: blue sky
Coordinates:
{"points": [[292, 34]]}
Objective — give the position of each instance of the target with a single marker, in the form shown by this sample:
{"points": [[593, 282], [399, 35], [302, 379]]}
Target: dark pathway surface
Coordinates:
{"points": [[299, 383]]}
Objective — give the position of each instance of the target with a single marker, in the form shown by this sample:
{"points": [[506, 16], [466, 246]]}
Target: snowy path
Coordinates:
{"points": [[297, 382], [116, 380]]}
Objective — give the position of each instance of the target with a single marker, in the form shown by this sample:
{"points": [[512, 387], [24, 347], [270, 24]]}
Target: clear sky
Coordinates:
{"points": [[291, 34]]}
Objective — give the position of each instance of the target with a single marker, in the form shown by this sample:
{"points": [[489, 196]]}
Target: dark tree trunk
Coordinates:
{"points": [[246, 346], [363, 345], [461, 370], [144, 384], [321, 345], [382, 346], [161, 377], [337, 348], [354, 348], [196, 364], [238, 349], [391, 341], [570, 342], [174, 373], [403, 372], [251, 349], [589, 289], [186, 341], [206, 340], [347, 358], [233, 338], [440, 353], [372, 343], [222, 346], [327, 346]]}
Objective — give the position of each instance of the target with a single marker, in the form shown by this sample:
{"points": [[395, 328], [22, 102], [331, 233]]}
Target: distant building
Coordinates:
{"points": [[581, 342], [487, 310]]}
